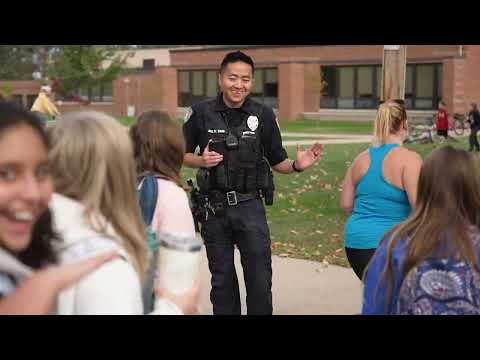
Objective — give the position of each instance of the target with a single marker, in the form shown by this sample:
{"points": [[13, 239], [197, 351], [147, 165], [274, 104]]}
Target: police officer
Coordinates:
{"points": [[239, 139]]}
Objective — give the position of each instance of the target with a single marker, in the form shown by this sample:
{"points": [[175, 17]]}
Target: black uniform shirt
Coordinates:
{"points": [[271, 138]]}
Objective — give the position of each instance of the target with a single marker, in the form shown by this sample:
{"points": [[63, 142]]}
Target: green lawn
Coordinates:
{"points": [[320, 126], [306, 220], [328, 126]]}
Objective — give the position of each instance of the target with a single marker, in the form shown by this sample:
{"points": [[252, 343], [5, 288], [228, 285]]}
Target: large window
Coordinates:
{"points": [[94, 93], [351, 87], [197, 85], [265, 87], [359, 87]]}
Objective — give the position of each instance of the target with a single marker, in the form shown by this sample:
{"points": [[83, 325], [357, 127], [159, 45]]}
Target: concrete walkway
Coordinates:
{"points": [[300, 287]]}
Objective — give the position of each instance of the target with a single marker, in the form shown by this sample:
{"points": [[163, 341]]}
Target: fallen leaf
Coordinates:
{"points": [[319, 232], [338, 250], [294, 232], [320, 246]]}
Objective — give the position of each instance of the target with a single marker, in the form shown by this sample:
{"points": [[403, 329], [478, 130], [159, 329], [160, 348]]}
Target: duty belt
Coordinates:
{"points": [[233, 198]]}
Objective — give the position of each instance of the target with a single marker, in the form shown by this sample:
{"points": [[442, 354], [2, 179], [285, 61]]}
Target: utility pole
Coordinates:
{"points": [[394, 72]]}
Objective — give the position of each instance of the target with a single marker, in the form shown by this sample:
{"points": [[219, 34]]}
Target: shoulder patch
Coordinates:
{"points": [[188, 115], [278, 124]]}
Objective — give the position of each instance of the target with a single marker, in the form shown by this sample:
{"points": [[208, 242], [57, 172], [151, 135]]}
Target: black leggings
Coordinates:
{"points": [[359, 259]]}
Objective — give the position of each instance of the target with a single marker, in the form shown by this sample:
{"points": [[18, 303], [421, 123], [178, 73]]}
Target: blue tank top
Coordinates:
{"points": [[378, 205]]}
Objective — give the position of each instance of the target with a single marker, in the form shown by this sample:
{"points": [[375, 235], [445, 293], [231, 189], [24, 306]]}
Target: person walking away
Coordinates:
{"points": [[380, 187]]}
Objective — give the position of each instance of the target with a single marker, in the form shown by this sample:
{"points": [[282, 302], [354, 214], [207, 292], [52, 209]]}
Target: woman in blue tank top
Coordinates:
{"points": [[380, 186]]}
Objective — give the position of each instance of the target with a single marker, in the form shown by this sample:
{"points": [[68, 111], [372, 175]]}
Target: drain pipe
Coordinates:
{"points": [[460, 50]]}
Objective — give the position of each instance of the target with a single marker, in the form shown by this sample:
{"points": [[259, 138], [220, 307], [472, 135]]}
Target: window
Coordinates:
{"points": [[360, 87], [148, 64], [94, 93], [184, 93], [17, 99], [423, 88], [409, 87], [30, 100], [424, 93], [212, 83], [365, 84], [329, 93], [107, 93], [265, 87], [198, 85], [346, 88], [378, 82]]}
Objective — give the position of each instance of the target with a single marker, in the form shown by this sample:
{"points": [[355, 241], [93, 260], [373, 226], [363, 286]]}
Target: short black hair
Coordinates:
{"points": [[234, 57]]}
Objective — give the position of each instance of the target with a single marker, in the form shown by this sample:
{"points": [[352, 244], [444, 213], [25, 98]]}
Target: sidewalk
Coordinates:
{"points": [[300, 287]]}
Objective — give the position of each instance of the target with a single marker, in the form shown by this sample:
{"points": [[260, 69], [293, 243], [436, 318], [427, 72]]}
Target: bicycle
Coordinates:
{"points": [[423, 134], [458, 125]]}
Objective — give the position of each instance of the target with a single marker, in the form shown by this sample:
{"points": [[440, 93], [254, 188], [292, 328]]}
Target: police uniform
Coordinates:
{"points": [[234, 214]]}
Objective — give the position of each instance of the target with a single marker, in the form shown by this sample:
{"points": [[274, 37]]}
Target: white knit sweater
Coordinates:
{"points": [[114, 288]]}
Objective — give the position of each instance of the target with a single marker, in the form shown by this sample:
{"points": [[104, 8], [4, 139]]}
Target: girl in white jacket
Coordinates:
{"points": [[96, 208], [30, 280]]}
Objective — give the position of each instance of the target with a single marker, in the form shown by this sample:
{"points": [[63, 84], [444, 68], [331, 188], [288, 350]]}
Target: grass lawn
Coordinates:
{"points": [[306, 220], [328, 126], [315, 126]]}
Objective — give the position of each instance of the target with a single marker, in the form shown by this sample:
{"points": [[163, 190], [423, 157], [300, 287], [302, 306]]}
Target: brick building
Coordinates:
{"points": [[328, 81]]}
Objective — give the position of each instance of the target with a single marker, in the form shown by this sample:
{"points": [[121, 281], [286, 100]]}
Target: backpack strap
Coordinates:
{"points": [[148, 193]]}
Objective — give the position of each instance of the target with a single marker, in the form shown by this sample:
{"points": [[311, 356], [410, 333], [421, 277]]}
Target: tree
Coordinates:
{"points": [[86, 65]]}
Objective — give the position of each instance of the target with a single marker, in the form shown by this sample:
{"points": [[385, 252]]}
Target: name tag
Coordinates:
{"points": [[249, 133], [215, 131]]}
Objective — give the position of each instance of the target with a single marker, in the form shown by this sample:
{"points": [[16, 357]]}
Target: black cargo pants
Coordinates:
{"points": [[246, 226]]}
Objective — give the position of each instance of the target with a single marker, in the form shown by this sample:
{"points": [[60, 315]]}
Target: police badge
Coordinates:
{"points": [[252, 123]]}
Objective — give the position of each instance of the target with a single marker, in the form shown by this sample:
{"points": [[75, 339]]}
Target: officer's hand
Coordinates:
{"points": [[307, 158], [211, 158]]}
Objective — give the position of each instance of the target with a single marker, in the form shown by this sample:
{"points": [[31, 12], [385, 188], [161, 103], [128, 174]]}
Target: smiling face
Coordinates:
{"points": [[236, 82], [25, 185]]}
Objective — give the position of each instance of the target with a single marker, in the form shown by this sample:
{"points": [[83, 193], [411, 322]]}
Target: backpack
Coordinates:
{"points": [[148, 194], [440, 287]]}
